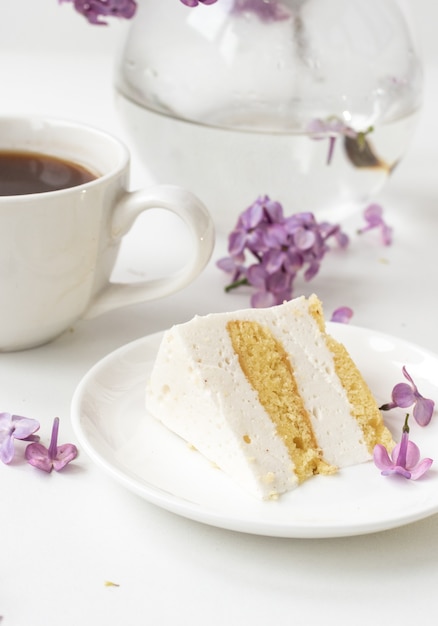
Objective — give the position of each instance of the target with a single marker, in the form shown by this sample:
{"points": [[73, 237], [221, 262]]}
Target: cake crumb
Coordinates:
{"points": [[268, 478]]}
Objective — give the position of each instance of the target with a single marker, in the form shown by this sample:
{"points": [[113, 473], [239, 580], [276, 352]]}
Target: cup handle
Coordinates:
{"points": [[192, 211]]}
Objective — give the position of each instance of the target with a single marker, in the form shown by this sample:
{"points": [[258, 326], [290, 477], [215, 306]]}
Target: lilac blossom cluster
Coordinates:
{"points": [[279, 247], [95, 10]]}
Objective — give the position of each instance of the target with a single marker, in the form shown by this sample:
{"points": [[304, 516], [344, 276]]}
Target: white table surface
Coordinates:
{"points": [[63, 535]]}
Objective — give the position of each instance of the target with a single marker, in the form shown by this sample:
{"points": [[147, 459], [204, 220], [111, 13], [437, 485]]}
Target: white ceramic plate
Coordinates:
{"points": [[112, 425]]}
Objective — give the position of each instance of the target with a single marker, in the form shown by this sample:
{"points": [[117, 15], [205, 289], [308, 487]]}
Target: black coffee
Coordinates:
{"points": [[29, 172]]}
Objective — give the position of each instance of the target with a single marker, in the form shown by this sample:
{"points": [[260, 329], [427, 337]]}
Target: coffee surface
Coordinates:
{"points": [[29, 172]]}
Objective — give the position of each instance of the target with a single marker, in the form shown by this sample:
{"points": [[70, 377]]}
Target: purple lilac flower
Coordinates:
{"points": [[404, 459], [342, 315], [94, 10], [405, 395], [271, 288], [54, 457], [279, 247], [373, 215], [194, 3], [330, 129], [14, 427], [272, 11]]}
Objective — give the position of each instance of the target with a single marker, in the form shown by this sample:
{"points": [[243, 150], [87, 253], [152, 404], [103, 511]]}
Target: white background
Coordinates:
{"points": [[63, 535]]}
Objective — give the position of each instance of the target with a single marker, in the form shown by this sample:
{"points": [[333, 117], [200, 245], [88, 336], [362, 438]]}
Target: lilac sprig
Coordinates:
{"points": [[404, 459], [278, 247], [373, 215], [405, 395], [332, 128], [54, 457]]}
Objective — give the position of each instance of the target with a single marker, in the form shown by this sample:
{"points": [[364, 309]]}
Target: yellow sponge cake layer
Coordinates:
{"points": [[267, 368], [363, 405]]}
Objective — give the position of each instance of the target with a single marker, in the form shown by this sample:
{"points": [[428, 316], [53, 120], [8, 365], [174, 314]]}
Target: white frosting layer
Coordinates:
{"points": [[198, 390], [207, 400]]}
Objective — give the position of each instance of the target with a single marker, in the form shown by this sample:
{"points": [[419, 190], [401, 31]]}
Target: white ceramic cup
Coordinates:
{"points": [[58, 248]]}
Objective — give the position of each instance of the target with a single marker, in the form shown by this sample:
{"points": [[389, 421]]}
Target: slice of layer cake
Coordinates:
{"points": [[265, 394]]}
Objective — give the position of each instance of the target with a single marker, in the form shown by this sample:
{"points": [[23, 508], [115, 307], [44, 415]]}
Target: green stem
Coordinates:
{"points": [[237, 283]]}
